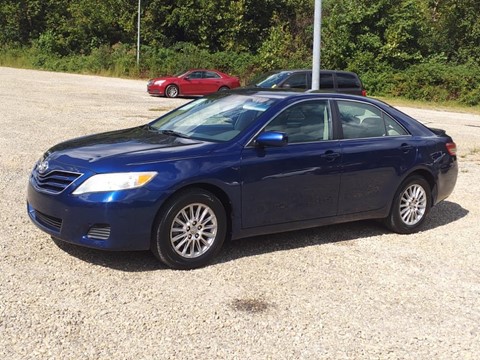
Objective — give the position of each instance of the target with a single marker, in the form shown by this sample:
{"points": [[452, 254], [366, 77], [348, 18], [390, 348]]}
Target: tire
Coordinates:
{"points": [[411, 205], [190, 230], [172, 91], [224, 88]]}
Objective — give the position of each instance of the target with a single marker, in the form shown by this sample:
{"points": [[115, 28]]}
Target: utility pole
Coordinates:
{"points": [[317, 27], [138, 33]]}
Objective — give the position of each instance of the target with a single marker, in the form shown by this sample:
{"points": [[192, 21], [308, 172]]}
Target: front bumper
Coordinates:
{"points": [[155, 90], [121, 220]]}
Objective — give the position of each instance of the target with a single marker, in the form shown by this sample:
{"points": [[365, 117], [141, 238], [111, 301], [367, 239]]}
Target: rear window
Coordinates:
{"points": [[345, 81]]}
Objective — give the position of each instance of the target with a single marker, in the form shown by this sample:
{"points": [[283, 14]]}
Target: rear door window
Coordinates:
{"points": [[326, 81], [360, 120]]}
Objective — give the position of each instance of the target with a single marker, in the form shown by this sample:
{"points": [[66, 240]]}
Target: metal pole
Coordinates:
{"points": [[138, 33], [317, 26]]}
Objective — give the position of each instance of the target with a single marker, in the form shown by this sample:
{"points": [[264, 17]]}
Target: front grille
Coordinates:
{"points": [[99, 232], [48, 221], [55, 181]]}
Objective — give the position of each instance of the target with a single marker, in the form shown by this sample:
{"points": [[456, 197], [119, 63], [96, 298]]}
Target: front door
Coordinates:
{"points": [[192, 85], [296, 182]]}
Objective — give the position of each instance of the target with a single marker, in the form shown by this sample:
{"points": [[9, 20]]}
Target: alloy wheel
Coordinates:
{"points": [[193, 230], [413, 204]]}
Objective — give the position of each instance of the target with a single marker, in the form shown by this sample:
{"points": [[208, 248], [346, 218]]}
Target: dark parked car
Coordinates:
{"points": [[330, 81], [237, 164], [192, 83]]}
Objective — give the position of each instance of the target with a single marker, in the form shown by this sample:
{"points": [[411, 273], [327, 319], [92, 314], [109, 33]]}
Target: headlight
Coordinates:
{"points": [[159, 82], [114, 182]]}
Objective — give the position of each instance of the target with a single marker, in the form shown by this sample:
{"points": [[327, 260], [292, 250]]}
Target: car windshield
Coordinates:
{"points": [[216, 118], [180, 73], [272, 80]]}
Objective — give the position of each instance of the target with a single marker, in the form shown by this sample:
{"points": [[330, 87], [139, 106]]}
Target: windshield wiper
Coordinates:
{"points": [[174, 133]]}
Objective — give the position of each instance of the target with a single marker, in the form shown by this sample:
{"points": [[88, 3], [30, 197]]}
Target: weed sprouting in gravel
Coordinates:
{"points": [[250, 305]]}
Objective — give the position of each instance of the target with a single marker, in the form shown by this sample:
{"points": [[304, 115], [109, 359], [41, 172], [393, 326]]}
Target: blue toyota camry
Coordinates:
{"points": [[237, 164]]}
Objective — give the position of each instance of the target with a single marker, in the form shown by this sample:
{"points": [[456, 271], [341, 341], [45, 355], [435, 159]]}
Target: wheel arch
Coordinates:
{"points": [[429, 177], [215, 190]]}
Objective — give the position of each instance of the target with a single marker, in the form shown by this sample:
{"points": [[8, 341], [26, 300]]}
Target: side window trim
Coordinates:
{"points": [[339, 135]]}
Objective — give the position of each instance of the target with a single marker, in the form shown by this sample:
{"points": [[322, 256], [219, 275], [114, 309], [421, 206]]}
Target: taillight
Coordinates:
{"points": [[364, 92], [451, 148]]}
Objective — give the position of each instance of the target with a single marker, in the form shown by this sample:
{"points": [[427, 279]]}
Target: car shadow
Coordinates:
{"points": [[128, 261], [140, 261], [442, 214]]}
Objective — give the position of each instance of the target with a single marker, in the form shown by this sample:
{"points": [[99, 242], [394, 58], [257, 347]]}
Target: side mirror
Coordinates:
{"points": [[272, 138]]}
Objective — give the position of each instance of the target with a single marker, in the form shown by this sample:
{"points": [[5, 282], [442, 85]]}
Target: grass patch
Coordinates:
{"points": [[162, 108], [452, 106], [250, 305]]}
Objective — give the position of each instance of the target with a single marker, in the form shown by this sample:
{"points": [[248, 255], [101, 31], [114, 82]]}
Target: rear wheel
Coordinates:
{"points": [[172, 91], [190, 230], [411, 205]]}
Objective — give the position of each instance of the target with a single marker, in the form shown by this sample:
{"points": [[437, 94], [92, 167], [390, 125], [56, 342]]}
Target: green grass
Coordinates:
{"points": [[474, 151], [453, 106]]}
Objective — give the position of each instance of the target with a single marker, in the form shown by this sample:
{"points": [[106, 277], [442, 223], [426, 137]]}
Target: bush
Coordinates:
{"points": [[431, 81]]}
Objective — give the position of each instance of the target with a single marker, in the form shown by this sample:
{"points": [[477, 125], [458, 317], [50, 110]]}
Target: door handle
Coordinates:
{"points": [[330, 155], [406, 148]]}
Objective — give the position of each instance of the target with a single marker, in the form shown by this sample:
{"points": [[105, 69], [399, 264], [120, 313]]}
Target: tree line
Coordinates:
{"points": [[395, 45]]}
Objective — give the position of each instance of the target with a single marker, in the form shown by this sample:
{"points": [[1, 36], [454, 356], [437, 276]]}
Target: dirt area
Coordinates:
{"points": [[352, 291]]}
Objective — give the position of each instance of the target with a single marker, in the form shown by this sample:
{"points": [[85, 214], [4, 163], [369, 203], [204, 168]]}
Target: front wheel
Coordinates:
{"points": [[411, 205], [224, 88], [172, 91], [190, 230]]}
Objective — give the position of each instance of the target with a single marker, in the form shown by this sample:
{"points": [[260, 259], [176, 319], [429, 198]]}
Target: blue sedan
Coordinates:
{"points": [[237, 164]]}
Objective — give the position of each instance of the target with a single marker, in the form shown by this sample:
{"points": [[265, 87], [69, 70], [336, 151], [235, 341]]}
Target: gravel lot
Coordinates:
{"points": [[351, 291]]}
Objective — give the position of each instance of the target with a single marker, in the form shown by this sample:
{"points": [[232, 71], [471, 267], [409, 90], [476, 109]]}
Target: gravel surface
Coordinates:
{"points": [[352, 291]]}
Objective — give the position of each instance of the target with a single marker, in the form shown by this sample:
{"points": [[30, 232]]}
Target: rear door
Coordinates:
{"points": [[211, 82], [376, 151]]}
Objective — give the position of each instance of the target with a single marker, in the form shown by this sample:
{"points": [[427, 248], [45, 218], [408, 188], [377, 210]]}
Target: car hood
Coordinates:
{"points": [[121, 148], [168, 78]]}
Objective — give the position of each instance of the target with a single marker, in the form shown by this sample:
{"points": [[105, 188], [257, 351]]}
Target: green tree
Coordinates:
{"points": [[455, 29], [363, 34]]}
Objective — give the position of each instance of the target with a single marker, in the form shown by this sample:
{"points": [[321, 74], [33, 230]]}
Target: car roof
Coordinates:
{"points": [[289, 93], [309, 70]]}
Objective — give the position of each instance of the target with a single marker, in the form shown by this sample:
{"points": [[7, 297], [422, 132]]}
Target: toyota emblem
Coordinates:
{"points": [[42, 167]]}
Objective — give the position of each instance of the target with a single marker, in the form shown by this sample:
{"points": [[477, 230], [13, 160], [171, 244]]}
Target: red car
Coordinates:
{"points": [[192, 82]]}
